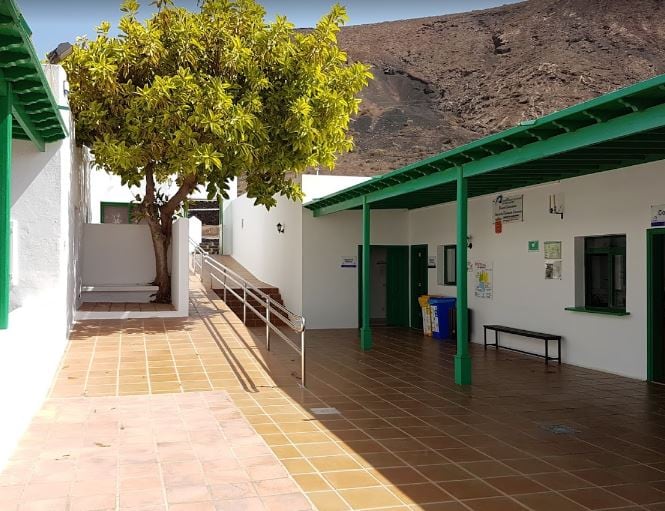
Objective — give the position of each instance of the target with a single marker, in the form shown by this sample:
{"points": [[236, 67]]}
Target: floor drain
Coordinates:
{"points": [[560, 429], [324, 411]]}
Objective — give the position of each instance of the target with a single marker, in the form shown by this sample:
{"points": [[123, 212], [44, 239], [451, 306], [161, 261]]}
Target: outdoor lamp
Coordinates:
{"points": [[63, 51], [281, 228]]}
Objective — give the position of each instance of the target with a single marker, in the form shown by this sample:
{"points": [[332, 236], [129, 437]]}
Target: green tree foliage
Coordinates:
{"points": [[202, 97]]}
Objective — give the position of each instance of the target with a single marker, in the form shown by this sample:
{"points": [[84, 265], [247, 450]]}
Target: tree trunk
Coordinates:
{"points": [[160, 220], [161, 240]]}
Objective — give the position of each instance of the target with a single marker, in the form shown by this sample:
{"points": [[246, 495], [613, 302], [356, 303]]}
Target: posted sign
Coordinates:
{"points": [[509, 209], [658, 216]]}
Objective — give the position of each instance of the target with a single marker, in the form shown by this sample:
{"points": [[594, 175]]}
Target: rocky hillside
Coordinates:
{"points": [[443, 81]]}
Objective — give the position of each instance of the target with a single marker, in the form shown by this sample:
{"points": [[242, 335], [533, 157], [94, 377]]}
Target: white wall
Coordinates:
{"points": [[273, 257], [615, 202], [48, 203], [117, 254], [253, 240], [330, 292], [106, 187]]}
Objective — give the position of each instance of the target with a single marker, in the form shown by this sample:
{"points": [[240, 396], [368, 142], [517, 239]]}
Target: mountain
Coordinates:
{"points": [[443, 81]]}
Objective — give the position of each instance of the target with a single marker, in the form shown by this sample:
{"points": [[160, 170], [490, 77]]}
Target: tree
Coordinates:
{"points": [[198, 98]]}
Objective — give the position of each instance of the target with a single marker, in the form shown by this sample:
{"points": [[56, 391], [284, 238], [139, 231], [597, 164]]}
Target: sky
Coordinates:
{"points": [[56, 21]]}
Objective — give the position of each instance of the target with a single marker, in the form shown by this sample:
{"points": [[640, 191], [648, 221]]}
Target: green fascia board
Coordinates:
{"points": [[616, 106], [19, 62]]}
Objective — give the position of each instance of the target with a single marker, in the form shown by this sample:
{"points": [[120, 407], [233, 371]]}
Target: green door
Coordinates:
{"points": [[397, 286], [656, 305], [418, 283]]}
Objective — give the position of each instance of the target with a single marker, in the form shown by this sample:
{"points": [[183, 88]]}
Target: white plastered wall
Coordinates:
{"points": [[616, 202], [273, 257], [330, 292], [48, 203]]}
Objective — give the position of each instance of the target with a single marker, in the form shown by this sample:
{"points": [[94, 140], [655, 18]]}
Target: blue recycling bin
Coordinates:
{"points": [[441, 307]]}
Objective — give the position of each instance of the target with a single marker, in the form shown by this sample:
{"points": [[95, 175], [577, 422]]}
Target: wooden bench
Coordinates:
{"points": [[524, 333]]}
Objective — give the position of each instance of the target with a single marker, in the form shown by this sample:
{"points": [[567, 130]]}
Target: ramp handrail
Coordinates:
{"points": [[227, 278]]}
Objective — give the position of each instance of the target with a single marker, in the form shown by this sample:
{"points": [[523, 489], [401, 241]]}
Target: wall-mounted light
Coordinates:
{"points": [[281, 228], [63, 51], [469, 244]]}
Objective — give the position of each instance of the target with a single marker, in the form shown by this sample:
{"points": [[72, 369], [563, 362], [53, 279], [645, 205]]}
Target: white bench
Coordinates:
{"points": [[118, 293]]}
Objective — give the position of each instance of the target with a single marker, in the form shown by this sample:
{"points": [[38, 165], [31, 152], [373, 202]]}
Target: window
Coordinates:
{"points": [[447, 272], [605, 273], [116, 213]]}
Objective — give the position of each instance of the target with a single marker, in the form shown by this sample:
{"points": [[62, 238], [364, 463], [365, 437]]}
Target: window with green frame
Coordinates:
{"points": [[450, 265], [605, 273], [116, 213]]}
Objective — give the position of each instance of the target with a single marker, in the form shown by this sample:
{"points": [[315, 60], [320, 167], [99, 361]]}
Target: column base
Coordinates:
{"points": [[365, 339], [462, 369]]}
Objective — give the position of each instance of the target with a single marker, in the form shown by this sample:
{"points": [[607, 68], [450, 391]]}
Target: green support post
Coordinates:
{"points": [[365, 329], [5, 199], [462, 358]]}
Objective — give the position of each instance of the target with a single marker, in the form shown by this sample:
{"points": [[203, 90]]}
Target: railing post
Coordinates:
{"points": [[225, 285], [268, 323], [244, 303], [203, 260], [302, 359]]}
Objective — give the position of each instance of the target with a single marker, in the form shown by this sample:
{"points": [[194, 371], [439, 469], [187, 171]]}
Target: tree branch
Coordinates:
{"points": [[188, 185]]}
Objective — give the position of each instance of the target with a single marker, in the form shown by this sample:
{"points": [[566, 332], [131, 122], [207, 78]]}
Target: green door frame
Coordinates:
{"points": [[395, 287], [655, 302], [414, 293]]}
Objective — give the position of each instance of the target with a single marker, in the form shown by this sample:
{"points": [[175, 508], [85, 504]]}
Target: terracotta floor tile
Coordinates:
{"points": [[350, 479], [515, 485], [548, 502], [360, 498], [469, 489], [328, 501], [639, 493]]}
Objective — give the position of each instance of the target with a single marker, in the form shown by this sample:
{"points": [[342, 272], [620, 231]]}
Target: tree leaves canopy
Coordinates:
{"points": [[216, 94]]}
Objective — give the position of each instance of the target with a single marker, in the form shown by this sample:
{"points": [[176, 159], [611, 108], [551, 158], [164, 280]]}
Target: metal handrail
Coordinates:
{"points": [[273, 309]]}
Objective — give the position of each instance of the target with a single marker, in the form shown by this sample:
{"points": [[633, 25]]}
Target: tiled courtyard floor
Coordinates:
{"points": [[405, 436]]}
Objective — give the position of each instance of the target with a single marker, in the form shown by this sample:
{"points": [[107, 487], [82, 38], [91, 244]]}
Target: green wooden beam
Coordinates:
{"points": [[624, 126], [5, 199]]}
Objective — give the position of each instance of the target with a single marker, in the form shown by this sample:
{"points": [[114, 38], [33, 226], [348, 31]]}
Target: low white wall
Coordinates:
{"points": [[615, 202], [117, 254], [180, 267]]}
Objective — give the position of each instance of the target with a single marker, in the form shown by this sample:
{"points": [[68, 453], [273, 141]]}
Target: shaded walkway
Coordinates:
{"points": [[402, 435]]}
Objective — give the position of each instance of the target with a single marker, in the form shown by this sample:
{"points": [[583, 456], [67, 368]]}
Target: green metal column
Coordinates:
{"points": [[365, 330], [462, 358], [5, 199]]}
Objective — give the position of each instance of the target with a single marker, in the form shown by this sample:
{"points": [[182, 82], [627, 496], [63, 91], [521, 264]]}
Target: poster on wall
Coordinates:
{"points": [[509, 209], [552, 249], [483, 279], [658, 216], [553, 270], [349, 262]]}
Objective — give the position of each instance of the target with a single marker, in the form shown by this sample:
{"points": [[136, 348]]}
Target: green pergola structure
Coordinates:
{"points": [[28, 111], [617, 130]]}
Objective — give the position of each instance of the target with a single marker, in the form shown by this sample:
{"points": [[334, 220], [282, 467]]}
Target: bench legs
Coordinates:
{"points": [[547, 347]]}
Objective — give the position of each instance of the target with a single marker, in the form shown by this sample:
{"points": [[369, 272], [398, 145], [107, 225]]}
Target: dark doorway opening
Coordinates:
{"points": [[418, 283], [656, 305], [389, 296]]}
